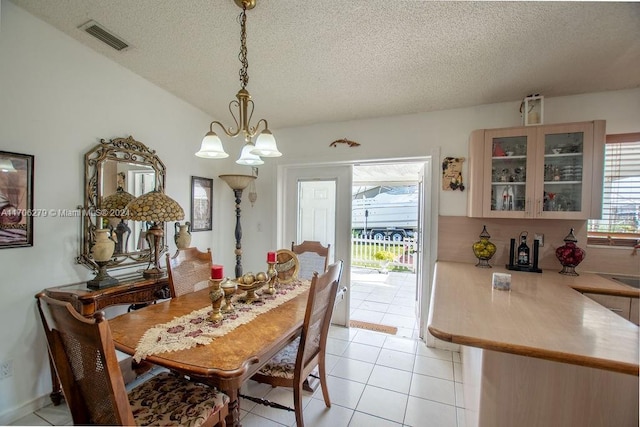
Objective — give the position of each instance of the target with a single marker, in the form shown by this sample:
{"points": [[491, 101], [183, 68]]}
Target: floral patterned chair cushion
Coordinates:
{"points": [[282, 364], [170, 400]]}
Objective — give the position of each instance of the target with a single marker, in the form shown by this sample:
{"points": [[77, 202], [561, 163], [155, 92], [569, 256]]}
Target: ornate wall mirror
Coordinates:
{"points": [[116, 171]]}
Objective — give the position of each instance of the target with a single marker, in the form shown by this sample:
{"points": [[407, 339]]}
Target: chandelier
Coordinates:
{"points": [[265, 145]]}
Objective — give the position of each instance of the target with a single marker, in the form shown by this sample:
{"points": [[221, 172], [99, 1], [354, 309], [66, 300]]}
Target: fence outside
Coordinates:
{"points": [[364, 250]]}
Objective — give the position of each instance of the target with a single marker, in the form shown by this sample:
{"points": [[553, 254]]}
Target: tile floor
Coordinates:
{"points": [[375, 379], [388, 299]]}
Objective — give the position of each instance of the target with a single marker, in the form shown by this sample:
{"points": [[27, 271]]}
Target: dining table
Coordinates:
{"points": [[228, 360]]}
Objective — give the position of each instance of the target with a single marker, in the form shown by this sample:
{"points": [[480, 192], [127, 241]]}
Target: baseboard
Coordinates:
{"points": [[14, 414]]}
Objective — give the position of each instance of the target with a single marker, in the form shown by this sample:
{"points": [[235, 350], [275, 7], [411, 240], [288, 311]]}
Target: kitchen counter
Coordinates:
{"points": [[543, 333], [542, 316]]}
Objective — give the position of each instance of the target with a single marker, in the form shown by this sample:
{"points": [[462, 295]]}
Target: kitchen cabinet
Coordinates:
{"points": [[537, 172], [619, 305]]}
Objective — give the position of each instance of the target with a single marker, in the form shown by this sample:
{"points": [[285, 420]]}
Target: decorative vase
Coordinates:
{"points": [[483, 249], [570, 255], [103, 246], [183, 235]]}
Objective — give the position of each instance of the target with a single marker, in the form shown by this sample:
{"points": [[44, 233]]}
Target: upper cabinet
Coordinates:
{"points": [[547, 171]]}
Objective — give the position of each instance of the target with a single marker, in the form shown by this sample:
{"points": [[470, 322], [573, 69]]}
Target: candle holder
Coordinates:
{"points": [[216, 295], [229, 288], [271, 274]]}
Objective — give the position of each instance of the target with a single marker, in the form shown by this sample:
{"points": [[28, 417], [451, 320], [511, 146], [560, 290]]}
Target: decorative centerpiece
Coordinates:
{"points": [[483, 249], [250, 283], [570, 255]]}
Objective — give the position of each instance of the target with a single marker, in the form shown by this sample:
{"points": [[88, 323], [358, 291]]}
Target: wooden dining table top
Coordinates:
{"points": [[228, 360]]}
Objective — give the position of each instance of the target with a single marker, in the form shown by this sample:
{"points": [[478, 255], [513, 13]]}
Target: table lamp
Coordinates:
{"points": [[158, 208], [113, 206], [237, 184]]}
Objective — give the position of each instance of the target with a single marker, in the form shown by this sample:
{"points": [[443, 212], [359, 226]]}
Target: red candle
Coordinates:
{"points": [[216, 272], [271, 257]]}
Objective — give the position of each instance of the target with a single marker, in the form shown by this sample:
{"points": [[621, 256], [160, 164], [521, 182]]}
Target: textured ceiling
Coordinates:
{"points": [[333, 60]]}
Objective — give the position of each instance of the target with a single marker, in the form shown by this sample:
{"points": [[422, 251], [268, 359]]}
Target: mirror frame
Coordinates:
{"points": [[126, 150]]}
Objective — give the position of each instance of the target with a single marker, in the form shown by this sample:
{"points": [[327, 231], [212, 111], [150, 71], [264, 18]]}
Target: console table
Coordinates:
{"points": [[132, 289]]}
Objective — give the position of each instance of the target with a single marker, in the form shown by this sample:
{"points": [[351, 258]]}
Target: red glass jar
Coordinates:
{"points": [[570, 255]]}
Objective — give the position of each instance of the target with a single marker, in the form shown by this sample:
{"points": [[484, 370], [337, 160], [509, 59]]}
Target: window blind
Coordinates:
{"points": [[621, 189]]}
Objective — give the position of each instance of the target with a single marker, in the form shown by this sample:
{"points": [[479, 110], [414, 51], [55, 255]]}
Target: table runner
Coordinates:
{"points": [[194, 328]]}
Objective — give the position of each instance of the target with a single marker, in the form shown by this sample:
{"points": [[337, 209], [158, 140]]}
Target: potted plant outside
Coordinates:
{"points": [[385, 258]]}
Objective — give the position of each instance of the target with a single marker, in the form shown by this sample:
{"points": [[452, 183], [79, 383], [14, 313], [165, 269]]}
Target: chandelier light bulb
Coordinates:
{"points": [[266, 145], [248, 159], [211, 147]]}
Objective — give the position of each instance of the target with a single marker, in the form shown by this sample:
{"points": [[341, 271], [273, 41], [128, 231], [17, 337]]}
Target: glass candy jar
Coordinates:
{"points": [[483, 249], [570, 255]]}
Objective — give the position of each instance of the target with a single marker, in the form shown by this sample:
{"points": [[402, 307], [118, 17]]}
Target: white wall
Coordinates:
{"points": [[418, 134], [58, 98]]}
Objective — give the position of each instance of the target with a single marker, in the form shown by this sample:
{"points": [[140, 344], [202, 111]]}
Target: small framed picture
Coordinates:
{"points": [[16, 200], [201, 203]]}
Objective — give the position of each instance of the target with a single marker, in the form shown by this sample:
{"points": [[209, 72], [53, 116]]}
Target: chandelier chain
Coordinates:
{"points": [[244, 70]]}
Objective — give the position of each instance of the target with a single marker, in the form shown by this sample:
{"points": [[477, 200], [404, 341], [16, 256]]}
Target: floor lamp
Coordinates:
{"points": [[237, 184]]}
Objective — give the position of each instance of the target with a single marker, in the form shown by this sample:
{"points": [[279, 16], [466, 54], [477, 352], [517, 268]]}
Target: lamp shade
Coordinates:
{"points": [[237, 182], [266, 145], [154, 206], [247, 158], [211, 147], [115, 203]]}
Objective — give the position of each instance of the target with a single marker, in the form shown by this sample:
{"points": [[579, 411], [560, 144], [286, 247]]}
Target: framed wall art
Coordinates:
{"points": [[16, 200], [201, 203]]}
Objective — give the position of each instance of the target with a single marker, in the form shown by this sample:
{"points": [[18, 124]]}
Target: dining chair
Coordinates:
{"points": [[189, 270], [85, 361], [291, 366], [312, 256]]}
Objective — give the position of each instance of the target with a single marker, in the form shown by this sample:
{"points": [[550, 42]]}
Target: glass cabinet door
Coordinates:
{"points": [[563, 165], [508, 173], [563, 187], [509, 163]]}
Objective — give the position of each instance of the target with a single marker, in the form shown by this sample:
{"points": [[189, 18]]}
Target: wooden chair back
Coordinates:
{"points": [[308, 349], [189, 270], [84, 358], [317, 319], [312, 256]]}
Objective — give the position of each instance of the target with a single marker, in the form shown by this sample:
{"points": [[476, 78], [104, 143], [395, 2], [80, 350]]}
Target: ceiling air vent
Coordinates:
{"points": [[102, 34]]}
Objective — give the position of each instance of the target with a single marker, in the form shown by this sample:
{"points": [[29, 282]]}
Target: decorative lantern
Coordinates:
{"points": [[532, 109]]}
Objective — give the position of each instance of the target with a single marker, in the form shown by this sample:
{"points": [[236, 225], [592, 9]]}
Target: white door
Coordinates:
{"points": [[315, 204], [423, 251]]}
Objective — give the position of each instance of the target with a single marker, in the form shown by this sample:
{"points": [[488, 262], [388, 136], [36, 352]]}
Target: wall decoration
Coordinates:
{"points": [[452, 173], [16, 200], [350, 143], [201, 203]]}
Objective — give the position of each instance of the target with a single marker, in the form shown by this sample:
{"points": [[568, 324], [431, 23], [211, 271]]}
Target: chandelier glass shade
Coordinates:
{"points": [[241, 110]]}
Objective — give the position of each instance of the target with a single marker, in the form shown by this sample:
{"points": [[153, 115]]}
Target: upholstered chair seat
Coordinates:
{"points": [[283, 364], [170, 400]]}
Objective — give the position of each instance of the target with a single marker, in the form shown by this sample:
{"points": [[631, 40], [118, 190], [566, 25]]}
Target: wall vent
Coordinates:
{"points": [[104, 35]]}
